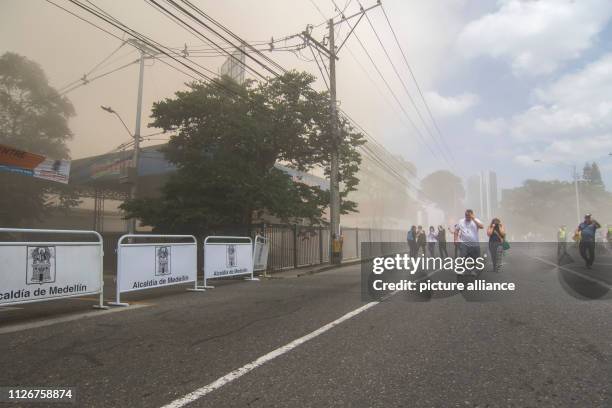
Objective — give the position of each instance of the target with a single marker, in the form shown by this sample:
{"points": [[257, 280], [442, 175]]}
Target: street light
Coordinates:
{"points": [[111, 110], [133, 172]]}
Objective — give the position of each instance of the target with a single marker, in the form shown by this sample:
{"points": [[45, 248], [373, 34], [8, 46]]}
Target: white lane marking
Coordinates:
{"points": [[48, 322], [580, 274], [227, 378], [200, 392]]}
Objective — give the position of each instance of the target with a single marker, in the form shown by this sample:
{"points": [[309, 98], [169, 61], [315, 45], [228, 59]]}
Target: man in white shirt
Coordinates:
{"points": [[466, 233]]}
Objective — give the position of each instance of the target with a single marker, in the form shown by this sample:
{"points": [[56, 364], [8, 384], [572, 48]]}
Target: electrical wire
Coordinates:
{"points": [[66, 91], [433, 136], [413, 76]]}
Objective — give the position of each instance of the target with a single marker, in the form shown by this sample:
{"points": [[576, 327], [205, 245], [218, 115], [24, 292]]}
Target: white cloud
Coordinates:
{"points": [[494, 126], [450, 105], [568, 151], [576, 104], [536, 37], [571, 120]]}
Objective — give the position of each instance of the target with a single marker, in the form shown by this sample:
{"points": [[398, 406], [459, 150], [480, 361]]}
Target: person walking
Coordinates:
{"points": [[442, 242], [561, 241], [466, 234], [587, 230], [455, 239], [432, 239], [412, 243], [497, 234], [421, 241]]}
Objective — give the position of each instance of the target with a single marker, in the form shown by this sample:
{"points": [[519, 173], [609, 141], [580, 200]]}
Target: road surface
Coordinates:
{"points": [[313, 342]]}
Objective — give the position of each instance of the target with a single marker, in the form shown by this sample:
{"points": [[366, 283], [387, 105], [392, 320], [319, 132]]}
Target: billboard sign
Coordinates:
{"points": [[18, 161], [233, 66]]}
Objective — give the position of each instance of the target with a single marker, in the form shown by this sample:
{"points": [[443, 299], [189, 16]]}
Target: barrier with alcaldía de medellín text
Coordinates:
{"points": [[226, 256], [35, 271], [148, 265], [261, 249]]}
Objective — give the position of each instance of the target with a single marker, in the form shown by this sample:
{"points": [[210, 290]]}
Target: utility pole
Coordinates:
{"points": [[136, 153], [577, 195], [133, 171], [334, 184], [331, 52]]}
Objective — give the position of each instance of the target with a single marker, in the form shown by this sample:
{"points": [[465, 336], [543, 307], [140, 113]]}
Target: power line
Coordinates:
{"points": [[413, 76], [87, 81], [229, 32], [382, 163], [405, 86], [421, 138], [195, 32], [126, 29], [154, 45], [108, 32], [323, 74]]}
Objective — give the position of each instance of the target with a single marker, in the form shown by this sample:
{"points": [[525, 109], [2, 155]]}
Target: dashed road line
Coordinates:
{"points": [[580, 274]]}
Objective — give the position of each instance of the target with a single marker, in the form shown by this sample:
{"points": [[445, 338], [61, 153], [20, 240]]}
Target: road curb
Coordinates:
{"points": [[328, 267]]}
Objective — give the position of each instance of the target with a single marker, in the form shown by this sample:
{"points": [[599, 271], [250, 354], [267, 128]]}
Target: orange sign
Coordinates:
{"points": [[10, 156], [17, 161]]}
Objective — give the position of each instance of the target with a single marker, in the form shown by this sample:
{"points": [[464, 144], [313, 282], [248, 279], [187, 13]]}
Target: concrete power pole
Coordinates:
{"points": [[578, 215], [334, 184], [133, 174], [136, 154], [331, 52]]}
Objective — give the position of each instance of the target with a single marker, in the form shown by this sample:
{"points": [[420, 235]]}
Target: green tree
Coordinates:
{"points": [[444, 189], [227, 144], [593, 176], [541, 206], [33, 117]]}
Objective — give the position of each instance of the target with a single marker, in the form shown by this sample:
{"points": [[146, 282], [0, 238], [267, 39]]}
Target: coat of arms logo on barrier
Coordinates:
{"points": [[40, 265], [162, 260]]}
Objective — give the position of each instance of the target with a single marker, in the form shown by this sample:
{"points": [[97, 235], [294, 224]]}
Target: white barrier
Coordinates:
{"points": [[261, 249], [152, 265], [36, 271], [225, 259]]}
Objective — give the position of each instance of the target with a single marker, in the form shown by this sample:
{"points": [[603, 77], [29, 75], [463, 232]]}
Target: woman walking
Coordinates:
{"points": [[497, 234]]}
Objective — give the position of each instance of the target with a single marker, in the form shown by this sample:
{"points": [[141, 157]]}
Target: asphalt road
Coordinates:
{"points": [[549, 343]]}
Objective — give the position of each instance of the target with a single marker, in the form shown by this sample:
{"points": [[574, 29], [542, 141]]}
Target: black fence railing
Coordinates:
{"points": [[291, 246]]}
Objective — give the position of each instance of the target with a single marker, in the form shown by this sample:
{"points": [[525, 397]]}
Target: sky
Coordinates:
{"points": [[518, 87]]}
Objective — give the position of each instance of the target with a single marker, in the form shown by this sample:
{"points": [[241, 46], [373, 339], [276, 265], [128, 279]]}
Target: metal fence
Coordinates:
{"points": [[291, 246]]}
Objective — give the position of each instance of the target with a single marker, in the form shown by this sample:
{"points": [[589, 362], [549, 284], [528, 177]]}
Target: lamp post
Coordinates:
{"points": [[132, 175]]}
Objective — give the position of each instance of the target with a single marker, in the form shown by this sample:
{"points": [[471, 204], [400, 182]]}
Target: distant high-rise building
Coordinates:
{"points": [[493, 199], [472, 194], [481, 194]]}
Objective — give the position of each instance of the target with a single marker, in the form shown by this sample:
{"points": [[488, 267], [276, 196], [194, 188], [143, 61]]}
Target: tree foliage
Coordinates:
{"points": [[541, 206], [33, 117], [226, 146], [592, 175]]}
